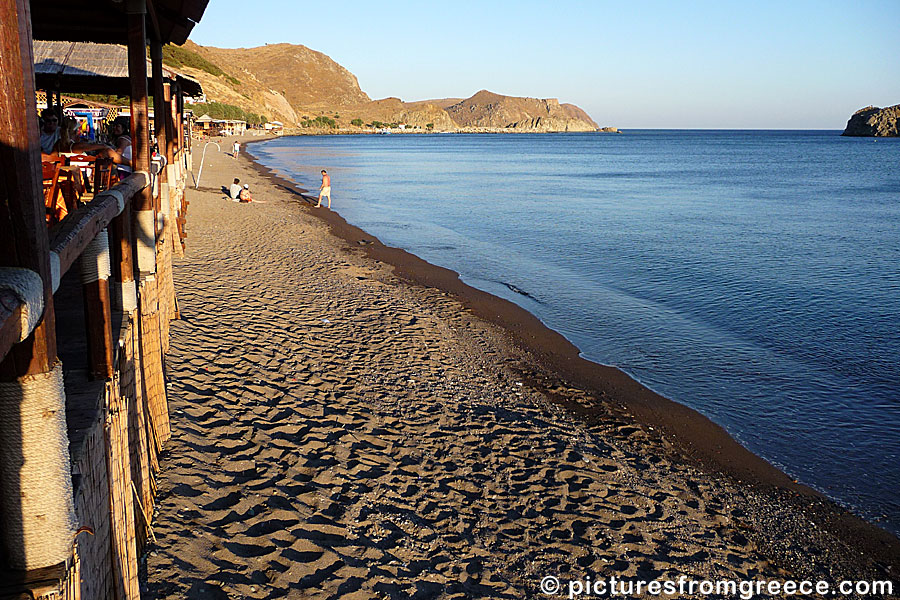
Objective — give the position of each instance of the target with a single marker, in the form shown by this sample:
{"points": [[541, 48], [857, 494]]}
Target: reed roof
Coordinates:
{"points": [[104, 21], [84, 67]]}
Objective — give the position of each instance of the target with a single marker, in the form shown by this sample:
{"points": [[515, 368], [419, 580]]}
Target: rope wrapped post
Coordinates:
{"points": [[34, 464], [95, 272]]}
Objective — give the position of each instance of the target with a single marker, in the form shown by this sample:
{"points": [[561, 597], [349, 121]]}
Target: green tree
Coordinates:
{"points": [[357, 122], [429, 126]]}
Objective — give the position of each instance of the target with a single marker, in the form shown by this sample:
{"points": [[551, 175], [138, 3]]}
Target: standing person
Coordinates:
{"points": [[235, 149], [325, 189]]}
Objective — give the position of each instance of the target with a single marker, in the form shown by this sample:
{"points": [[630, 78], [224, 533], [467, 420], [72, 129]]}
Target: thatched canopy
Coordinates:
{"points": [[83, 67], [103, 21]]}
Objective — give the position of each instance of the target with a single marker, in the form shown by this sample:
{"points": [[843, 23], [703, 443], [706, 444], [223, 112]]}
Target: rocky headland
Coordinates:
{"points": [[307, 90], [872, 121]]}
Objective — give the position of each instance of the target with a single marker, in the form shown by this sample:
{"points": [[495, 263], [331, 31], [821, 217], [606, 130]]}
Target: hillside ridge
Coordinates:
{"points": [[305, 88]]}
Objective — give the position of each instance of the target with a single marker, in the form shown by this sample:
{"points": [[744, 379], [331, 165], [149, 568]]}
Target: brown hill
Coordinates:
{"points": [[306, 78], [487, 109], [295, 84]]}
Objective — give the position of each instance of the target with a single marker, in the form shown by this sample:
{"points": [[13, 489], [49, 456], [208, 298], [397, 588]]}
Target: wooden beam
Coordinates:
{"points": [[22, 216], [154, 22]]}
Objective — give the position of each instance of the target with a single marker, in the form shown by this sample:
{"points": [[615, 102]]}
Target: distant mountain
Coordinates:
{"points": [[489, 110], [874, 122], [297, 85]]}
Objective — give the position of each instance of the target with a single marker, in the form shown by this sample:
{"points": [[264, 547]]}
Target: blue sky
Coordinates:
{"points": [[755, 65]]}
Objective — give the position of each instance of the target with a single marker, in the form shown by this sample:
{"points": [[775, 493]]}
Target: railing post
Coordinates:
{"points": [[95, 271], [122, 245]]}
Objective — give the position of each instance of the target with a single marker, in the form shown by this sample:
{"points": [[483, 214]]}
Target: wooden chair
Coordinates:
{"points": [[56, 210], [104, 173], [85, 164]]}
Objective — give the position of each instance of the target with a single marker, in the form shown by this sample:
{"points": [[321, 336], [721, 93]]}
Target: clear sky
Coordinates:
{"points": [[790, 64]]}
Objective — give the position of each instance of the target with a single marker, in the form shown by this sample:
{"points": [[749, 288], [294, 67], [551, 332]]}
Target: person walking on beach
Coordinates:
{"points": [[235, 149], [325, 189]]}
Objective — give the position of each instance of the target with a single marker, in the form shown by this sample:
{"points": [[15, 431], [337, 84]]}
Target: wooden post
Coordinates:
{"points": [[97, 308], [98, 319], [179, 121], [33, 385], [144, 215], [121, 244], [23, 230], [159, 110], [169, 122]]}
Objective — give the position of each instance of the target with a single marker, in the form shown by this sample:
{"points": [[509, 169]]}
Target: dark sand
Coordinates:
{"points": [[350, 421]]}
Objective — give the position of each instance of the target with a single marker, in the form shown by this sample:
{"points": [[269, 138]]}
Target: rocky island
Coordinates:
{"points": [[872, 121]]}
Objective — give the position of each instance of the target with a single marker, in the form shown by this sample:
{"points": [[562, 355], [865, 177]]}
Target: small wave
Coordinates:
{"points": [[520, 291]]}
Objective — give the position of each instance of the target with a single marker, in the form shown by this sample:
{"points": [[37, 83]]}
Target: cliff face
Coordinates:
{"points": [[304, 77], [874, 122], [489, 110], [290, 82]]}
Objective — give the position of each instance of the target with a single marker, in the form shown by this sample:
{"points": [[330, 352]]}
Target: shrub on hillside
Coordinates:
{"points": [[176, 56], [321, 121]]}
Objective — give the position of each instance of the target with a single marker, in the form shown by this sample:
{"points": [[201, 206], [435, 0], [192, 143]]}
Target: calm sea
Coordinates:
{"points": [[751, 275]]}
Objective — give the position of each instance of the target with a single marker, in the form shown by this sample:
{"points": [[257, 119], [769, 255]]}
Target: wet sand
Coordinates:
{"points": [[350, 421]]}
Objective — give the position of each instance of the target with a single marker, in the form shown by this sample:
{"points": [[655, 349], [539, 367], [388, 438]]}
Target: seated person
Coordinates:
{"points": [[234, 192], [49, 130], [121, 155], [245, 194], [69, 139]]}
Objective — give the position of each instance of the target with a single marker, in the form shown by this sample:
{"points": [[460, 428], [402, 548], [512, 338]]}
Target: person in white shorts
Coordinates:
{"points": [[325, 189]]}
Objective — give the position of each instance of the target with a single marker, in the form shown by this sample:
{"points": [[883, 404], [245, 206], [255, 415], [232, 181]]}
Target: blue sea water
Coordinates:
{"points": [[751, 275]]}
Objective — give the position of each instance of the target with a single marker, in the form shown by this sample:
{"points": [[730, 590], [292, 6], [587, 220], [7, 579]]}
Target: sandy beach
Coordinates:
{"points": [[351, 422]]}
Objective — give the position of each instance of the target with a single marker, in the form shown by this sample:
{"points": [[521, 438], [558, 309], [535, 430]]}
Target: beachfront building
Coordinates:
{"points": [[205, 124], [86, 297], [274, 127]]}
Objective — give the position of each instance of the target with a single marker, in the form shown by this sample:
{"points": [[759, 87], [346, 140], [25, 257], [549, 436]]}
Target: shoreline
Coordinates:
{"points": [[699, 441]]}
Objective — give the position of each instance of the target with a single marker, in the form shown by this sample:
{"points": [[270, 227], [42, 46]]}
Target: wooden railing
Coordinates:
{"points": [[68, 240], [10, 322]]}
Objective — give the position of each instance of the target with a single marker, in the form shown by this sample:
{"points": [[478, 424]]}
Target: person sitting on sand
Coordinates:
{"points": [[325, 189], [235, 190], [245, 195]]}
